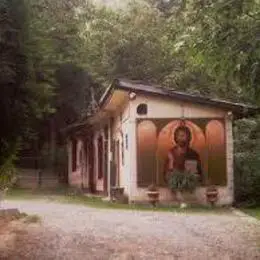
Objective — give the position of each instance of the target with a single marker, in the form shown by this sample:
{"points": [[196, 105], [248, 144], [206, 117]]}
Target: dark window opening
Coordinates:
{"points": [[100, 157], [142, 109], [74, 155]]}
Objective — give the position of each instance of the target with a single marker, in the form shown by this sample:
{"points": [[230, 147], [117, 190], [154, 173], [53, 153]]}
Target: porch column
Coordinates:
{"points": [[69, 151], [132, 159], [109, 158], [230, 158]]}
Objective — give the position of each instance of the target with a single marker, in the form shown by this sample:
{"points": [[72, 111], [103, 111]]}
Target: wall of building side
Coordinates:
{"points": [[118, 131], [125, 171], [164, 108], [121, 133]]}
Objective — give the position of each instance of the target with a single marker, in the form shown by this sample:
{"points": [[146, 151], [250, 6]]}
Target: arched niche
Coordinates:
{"points": [[165, 142], [146, 152], [215, 136]]}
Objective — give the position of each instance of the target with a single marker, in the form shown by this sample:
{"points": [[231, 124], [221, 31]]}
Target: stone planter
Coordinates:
{"points": [[153, 197], [117, 193]]}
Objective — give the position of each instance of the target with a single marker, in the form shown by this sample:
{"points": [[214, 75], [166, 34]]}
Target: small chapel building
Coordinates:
{"points": [[133, 139]]}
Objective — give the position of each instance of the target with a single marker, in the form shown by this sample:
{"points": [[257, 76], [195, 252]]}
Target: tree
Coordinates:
{"points": [[220, 39], [131, 44], [247, 162], [22, 101], [14, 104]]}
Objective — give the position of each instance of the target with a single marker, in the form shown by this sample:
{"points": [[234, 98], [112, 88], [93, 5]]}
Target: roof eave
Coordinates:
{"points": [[239, 110]]}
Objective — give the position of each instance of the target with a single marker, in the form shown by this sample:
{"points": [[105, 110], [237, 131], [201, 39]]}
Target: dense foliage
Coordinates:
{"points": [[247, 162], [15, 106]]}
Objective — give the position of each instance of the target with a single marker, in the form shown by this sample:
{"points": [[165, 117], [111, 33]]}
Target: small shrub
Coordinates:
{"points": [[32, 219], [7, 173], [247, 162], [182, 181], [23, 215]]}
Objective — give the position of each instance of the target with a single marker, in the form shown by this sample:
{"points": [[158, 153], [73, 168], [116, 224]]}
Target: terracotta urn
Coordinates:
{"points": [[212, 195], [153, 195]]}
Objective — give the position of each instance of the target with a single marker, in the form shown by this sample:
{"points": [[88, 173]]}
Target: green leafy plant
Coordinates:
{"points": [[32, 219], [182, 181], [247, 162], [7, 173]]}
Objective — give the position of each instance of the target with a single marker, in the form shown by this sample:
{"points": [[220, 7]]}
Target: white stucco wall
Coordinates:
{"points": [[168, 108], [163, 108], [120, 130]]}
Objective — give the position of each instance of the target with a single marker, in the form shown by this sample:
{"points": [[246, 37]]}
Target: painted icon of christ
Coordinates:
{"points": [[182, 157]]}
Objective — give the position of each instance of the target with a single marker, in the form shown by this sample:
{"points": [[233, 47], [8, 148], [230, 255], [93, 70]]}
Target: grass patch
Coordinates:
{"points": [[23, 215], [29, 218], [254, 212], [32, 219], [71, 197], [35, 193]]}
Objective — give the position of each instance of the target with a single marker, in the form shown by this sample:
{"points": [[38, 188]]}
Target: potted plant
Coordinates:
{"points": [[183, 185], [153, 194]]}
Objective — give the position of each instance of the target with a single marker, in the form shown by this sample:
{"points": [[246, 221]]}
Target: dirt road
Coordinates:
{"points": [[79, 232]]}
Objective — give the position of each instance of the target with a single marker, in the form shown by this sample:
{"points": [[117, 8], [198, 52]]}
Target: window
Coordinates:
{"points": [[74, 155], [141, 109]]}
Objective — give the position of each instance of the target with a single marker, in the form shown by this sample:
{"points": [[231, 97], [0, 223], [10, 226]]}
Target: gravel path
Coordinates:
{"points": [[79, 232]]}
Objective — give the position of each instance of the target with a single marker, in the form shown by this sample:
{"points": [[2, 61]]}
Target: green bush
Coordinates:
{"points": [[247, 162], [7, 172], [182, 181]]}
